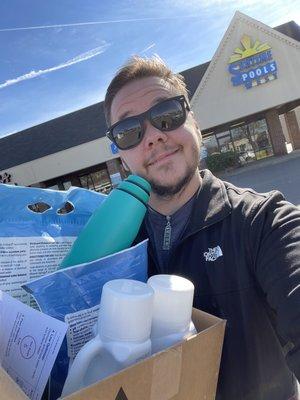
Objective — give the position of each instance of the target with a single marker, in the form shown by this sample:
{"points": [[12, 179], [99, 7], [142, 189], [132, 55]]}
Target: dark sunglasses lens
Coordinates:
{"points": [[127, 133], [168, 115]]}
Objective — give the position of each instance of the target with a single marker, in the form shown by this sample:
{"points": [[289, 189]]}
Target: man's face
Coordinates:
{"points": [[168, 160]]}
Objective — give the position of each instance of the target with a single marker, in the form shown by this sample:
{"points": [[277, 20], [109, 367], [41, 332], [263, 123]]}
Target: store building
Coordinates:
{"points": [[246, 99]]}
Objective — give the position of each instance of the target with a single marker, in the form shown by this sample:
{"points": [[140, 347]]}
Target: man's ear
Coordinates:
{"points": [[125, 166]]}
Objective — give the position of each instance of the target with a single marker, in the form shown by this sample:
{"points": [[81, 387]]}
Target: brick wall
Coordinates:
{"points": [[276, 132], [115, 166], [293, 128]]}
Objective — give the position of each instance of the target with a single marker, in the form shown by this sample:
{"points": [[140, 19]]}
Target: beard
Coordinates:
{"points": [[169, 190]]}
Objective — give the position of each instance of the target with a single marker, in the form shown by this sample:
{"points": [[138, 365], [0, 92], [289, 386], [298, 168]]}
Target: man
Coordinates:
{"points": [[241, 249]]}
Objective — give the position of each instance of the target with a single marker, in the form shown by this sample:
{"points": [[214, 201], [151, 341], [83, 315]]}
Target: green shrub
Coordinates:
{"points": [[222, 161]]}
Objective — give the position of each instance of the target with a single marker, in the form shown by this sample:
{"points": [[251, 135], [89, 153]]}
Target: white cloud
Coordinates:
{"points": [[81, 57]]}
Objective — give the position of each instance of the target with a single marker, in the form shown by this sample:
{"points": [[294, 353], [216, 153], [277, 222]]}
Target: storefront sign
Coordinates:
{"points": [[252, 65], [114, 149]]}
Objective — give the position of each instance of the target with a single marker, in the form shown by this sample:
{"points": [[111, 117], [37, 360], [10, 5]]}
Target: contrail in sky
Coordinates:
{"points": [[33, 74], [116, 21], [148, 48]]}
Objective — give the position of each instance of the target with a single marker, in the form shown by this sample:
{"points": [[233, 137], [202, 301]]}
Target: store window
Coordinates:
{"points": [[243, 144], [98, 181], [54, 187], [210, 144], [225, 142], [67, 184], [250, 141], [260, 139]]}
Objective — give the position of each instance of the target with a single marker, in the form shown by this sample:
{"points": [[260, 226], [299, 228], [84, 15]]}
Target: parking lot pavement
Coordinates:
{"points": [[281, 173]]}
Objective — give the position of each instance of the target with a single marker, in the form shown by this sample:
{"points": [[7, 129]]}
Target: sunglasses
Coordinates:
{"points": [[166, 116]]}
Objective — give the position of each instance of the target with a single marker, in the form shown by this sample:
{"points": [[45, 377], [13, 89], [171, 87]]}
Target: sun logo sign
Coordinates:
{"points": [[252, 65]]}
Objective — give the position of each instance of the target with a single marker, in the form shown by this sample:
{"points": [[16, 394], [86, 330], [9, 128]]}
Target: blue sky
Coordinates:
{"points": [[58, 56]]}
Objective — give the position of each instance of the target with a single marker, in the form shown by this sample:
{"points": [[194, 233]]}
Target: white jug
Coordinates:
{"points": [[172, 310], [123, 338]]}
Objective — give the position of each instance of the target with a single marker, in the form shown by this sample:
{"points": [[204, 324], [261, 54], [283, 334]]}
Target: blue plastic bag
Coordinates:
{"points": [[37, 229]]}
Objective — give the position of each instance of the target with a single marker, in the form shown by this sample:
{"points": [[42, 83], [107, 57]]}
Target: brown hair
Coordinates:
{"points": [[138, 68]]}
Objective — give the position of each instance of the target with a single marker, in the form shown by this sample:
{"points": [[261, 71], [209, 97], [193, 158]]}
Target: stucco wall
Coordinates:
{"points": [[61, 163], [217, 101]]}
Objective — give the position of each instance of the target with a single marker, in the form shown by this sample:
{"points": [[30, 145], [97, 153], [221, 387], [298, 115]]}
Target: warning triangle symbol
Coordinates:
{"points": [[121, 395]]}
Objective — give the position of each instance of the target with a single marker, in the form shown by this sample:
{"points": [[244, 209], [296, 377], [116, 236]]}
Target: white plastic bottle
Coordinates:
{"points": [[172, 310], [123, 338]]}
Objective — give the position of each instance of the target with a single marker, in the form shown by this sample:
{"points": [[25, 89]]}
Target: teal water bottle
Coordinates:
{"points": [[114, 225]]}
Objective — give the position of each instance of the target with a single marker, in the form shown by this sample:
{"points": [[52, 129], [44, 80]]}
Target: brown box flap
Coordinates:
{"points": [[9, 389]]}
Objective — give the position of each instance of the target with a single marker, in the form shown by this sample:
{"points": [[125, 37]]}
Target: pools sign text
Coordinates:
{"points": [[252, 64]]}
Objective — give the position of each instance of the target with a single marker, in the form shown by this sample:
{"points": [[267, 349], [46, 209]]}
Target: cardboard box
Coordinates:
{"points": [[187, 371]]}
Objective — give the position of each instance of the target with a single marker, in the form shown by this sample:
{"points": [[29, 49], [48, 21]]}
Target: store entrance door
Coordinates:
{"points": [[243, 144], [251, 141]]}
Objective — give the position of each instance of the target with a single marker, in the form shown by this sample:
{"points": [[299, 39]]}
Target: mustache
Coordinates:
{"points": [[157, 152]]}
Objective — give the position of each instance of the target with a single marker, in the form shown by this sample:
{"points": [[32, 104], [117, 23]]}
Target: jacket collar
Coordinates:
{"points": [[211, 206], [211, 203]]}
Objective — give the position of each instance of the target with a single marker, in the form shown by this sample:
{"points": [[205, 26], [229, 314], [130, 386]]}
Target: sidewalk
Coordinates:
{"points": [[255, 165]]}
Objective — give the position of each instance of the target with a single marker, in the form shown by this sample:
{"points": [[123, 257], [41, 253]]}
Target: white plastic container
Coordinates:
{"points": [[124, 326], [172, 310]]}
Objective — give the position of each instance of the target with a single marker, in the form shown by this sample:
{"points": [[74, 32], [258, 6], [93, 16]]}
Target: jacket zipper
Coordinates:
{"points": [[167, 234]]}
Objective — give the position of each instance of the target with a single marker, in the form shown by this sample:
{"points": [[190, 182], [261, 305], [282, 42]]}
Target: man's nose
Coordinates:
{"points": [[153, 135]]}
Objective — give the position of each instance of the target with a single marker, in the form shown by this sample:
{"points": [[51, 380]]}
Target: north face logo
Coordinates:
{"points": [[213, 253], [121, 395]]}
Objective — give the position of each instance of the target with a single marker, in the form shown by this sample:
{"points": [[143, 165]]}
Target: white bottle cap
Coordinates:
{"points": [[125, 310], [173, 302]]}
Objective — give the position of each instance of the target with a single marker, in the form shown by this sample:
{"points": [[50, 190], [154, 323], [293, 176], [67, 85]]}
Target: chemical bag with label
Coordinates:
{"points": [[37, 229]]}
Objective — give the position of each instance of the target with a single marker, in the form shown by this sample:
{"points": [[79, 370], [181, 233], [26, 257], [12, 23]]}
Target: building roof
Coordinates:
{"points": [[84, 125], [193, 76], [50, 137], [290, 29]]}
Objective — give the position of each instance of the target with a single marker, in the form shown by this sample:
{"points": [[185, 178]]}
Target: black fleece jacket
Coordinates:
{"points": [[241, 249]]}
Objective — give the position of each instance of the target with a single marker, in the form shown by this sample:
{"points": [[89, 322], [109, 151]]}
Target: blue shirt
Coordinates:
{"points": [[166, 231]]}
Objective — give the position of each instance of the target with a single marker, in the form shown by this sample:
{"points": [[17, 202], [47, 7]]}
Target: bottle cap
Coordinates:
{"points": [[137, 187], [139, 181], [173, 302], [126, 310]]}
